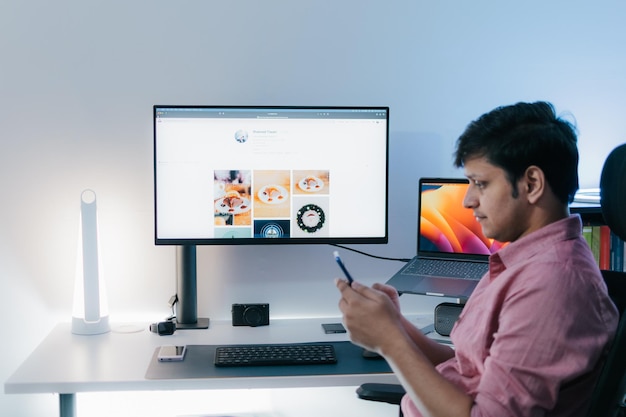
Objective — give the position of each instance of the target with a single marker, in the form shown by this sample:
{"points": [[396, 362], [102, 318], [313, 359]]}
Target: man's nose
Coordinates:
{"points": [[469, 201]]}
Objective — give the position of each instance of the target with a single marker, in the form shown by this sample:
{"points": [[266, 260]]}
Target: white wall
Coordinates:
{"points": [[78, 80]]}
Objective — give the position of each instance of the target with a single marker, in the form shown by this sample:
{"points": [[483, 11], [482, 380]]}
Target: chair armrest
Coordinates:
{"points": [[388, 393]]}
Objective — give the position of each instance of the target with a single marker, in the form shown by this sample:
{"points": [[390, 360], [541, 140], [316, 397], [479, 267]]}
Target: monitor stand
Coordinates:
{"points": [[187, 290]]}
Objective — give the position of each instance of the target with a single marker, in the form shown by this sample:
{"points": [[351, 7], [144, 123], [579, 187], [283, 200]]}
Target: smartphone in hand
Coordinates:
{"points": [[343, 267]]}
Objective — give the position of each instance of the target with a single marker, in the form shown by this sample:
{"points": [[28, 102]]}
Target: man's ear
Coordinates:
{"points": [[534, 181]]}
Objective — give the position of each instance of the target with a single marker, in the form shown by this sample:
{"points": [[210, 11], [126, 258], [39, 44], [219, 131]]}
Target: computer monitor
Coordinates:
{"points": [[231, 175], [267, 175]]}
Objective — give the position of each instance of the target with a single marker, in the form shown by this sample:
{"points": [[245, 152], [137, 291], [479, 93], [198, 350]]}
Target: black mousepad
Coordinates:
{"points": [[198, 363]]}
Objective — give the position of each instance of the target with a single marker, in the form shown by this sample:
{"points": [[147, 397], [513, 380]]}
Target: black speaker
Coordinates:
{"points": [[446, 315]]}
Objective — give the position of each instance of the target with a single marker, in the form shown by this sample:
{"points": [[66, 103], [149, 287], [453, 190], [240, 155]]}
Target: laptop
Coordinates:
{"points": [[452, 252]]}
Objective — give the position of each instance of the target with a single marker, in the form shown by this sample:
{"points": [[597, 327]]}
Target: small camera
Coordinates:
{"points": [[251, 315], [163, 328]]}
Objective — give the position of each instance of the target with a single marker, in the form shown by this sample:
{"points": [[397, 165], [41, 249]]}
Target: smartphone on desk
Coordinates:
{"points": [[171, 353]]}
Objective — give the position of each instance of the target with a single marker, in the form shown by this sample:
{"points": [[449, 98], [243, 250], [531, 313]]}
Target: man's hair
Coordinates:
{"points": [[517, 136]]}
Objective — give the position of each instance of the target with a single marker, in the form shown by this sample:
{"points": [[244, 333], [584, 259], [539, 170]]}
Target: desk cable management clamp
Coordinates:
{"points": [[167, 327]]}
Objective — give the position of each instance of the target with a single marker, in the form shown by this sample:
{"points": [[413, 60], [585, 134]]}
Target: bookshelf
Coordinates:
{"points": [[608, 249]]}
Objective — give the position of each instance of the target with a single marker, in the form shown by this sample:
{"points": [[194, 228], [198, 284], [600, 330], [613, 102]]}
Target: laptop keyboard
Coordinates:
{"points": [[283, 354], [455, 269]]}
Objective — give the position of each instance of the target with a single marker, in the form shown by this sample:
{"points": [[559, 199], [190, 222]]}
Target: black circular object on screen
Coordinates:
{"points": [[310, 218]]}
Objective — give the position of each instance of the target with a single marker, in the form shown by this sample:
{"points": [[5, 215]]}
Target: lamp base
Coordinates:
{"points": [[82, 327]]}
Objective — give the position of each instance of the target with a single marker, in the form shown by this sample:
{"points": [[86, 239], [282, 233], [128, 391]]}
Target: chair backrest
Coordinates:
{"points": [[613, 191], [608, 396]]}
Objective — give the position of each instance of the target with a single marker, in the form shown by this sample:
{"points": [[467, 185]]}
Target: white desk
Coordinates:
{"points": [[67, 364]]}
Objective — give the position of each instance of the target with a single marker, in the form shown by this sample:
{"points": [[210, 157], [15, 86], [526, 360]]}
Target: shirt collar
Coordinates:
{"points": [[535, 242]]}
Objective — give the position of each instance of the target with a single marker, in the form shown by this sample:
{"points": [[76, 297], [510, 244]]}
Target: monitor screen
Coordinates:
{"points": [[446, 226], [263, 175]]}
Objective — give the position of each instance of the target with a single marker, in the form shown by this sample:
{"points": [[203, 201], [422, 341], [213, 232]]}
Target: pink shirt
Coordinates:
{"points": [[530, 338]]}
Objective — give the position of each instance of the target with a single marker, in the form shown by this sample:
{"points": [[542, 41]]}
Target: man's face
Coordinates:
{"points": [[490, 196]]}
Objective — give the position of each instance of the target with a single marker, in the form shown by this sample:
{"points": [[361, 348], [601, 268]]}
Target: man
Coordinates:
{"points": [[531, 338]]}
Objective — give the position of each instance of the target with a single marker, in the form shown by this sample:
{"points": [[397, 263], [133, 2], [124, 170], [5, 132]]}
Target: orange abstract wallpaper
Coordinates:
{"points": [[449, 226]]}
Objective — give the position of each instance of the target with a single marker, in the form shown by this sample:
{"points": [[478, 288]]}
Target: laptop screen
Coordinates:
{"points": [[445, 227]]}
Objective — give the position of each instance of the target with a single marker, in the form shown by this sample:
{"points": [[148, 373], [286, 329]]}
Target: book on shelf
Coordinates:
{"points": [[608, 249], [616, 253], [605, 247]]}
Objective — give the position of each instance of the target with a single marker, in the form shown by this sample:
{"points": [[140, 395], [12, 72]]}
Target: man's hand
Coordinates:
{"points": [[371, 315]]}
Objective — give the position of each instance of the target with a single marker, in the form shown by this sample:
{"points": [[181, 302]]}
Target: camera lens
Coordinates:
{"points": [[253, 316]]}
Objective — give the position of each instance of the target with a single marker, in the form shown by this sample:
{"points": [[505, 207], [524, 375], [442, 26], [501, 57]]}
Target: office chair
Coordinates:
{"points": [[609, 395]]}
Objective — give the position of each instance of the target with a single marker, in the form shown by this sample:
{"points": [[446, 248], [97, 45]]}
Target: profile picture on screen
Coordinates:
{"points": [[241, 136]]}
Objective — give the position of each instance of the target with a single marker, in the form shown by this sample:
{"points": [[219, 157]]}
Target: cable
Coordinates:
{"points": [[370, 255]]}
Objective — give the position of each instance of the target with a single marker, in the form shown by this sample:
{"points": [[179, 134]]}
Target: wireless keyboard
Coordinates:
{"points": [[275, 354]]}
